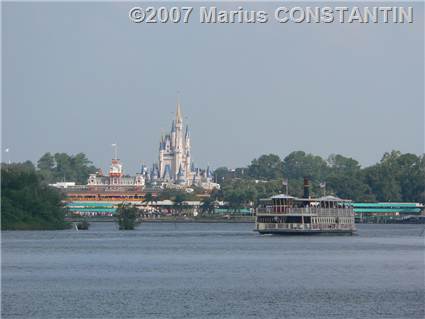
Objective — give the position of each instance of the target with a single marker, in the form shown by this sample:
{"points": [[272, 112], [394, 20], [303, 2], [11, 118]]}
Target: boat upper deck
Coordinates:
{"points": [[289, 205]]}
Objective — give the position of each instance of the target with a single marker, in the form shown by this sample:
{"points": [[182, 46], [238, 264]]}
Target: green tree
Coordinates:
{"points": [[179, 202], [397, 177], [236, 199], [46, 162], [127, 217], [346, 180], [299, 164], [148, 198], [61, 166], [412, 177], [266, 167], [208, 205], [221, 173], [27, 202]]}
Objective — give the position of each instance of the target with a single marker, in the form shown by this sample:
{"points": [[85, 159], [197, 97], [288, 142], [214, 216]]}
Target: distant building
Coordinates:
{"points": [[116, 177], [63, 184], [175, 167], [387, 210]]}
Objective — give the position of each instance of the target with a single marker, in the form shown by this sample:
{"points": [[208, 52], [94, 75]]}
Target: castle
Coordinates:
{"points": [[175, 168], [174, 153]]}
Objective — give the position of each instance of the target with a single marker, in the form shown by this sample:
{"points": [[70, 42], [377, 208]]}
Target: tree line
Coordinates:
{"points": [[397, 177], [27, 202], [63, 167]]}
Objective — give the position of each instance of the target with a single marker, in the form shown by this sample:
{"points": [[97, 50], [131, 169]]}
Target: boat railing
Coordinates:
{"points": [[298, 226], [264, 226], [285, 210]]}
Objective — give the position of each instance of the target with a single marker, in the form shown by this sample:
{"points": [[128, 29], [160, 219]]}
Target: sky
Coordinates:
{"points": [[78, 77]]}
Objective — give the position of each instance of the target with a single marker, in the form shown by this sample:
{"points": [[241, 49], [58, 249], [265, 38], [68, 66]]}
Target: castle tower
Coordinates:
{"points": [[161, 153], [115, 170], [173, 134], [181, 176], [187, 152], [179, 148], [174, 152]]}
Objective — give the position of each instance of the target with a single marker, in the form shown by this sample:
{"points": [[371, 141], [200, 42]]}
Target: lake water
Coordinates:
{"points": [[212, 271]]}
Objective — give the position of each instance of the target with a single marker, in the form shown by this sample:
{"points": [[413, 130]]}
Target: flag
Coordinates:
{"points": [[322, 184], [285, 182]]}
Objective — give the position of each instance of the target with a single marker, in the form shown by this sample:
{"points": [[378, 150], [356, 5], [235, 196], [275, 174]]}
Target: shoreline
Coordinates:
{"points": [[170, 220]]}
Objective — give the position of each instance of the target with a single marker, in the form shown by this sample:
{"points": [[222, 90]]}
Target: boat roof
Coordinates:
{"points": [[331, 198], [328, 198], [282, 196]]}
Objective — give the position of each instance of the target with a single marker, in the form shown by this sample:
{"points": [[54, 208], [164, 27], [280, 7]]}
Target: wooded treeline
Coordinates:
{"points": [[397, 177], [27, 202], [63, 167]]}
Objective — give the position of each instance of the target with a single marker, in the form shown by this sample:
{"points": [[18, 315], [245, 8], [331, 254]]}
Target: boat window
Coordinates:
{"points": [[293, 219]]}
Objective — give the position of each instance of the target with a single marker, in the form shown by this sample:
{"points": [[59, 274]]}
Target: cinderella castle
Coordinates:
{"points": [[175, 166], [174, 153]]}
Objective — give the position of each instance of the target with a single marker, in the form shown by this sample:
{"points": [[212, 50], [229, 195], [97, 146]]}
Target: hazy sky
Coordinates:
{"points": [[79, 77]]}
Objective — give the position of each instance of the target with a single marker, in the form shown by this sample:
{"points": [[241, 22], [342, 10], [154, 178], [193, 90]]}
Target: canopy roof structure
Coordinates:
{"points": [[328, 198], [282, 196], [331, 198]]}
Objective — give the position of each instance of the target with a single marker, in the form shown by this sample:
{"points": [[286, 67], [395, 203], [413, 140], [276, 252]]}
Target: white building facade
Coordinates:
{"points": [[175, 165]]}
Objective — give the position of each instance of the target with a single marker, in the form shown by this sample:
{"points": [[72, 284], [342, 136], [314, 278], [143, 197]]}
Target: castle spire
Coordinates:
{"points": [[178, 113], [187, 131]]}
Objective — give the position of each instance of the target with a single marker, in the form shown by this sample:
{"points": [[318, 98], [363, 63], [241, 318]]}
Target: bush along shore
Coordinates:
{"points": [[27, 202]]}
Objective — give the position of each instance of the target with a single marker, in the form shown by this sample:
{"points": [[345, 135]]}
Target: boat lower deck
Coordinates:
{"points": [[291, 232]]}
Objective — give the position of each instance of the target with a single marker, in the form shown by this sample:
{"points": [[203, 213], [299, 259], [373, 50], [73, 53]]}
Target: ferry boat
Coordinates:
{"points": [[287, 215]]}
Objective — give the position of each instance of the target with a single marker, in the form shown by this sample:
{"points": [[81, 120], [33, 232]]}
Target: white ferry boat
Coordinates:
{"points": [[288, 215]]}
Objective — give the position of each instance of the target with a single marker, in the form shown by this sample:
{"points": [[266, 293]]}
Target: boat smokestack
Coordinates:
{"points": [[306, 188]]}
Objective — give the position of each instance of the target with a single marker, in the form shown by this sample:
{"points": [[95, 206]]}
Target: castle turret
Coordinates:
{"points": [[167, 173], [187, 138], [181, 176], [208, 174], [179, 119], [173, 134]]}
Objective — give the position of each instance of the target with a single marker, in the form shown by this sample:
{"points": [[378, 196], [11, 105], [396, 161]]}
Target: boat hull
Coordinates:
{"points": [[291, 232]]}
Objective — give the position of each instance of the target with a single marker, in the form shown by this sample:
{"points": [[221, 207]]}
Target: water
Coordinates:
{"points": [[212, 271]]}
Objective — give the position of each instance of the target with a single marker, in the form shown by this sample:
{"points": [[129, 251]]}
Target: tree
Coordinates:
{"points": [[46, 162], [397, 177], [127, 217], [342, 164], [148, 198], [236, 199], [61, 166], [221, 173], [179, 202], [27, 202], [208, 205], [239, 193], [299, 164], [412, 177], [266, 167], [346, 180]]}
